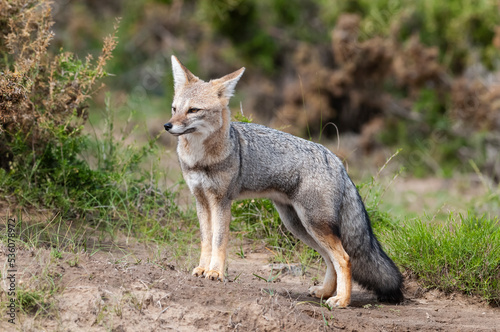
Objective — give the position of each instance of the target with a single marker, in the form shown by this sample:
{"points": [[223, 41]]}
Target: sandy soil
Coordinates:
{"points": [[110, 291]]}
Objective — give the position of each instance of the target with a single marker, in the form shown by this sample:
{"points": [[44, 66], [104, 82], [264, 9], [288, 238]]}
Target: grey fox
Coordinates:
{"points": [[222, 161]]}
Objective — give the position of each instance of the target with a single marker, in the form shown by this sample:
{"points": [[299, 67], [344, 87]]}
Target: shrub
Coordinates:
{"points": [[40, 91]]}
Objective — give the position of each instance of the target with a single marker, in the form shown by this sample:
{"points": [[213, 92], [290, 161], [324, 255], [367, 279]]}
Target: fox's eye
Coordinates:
{"points": [[193, 110]]}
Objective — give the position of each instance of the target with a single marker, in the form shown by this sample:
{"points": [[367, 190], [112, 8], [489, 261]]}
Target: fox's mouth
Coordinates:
{"points": [[187, 131]]}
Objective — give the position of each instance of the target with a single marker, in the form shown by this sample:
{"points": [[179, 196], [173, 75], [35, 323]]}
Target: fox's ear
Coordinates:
{"points": [[182, 75], [227, 83]]}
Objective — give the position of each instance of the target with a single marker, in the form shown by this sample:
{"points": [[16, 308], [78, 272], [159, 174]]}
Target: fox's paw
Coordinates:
{"points": [[321, 291], [214, 275], [198, 271], [338, 302]]}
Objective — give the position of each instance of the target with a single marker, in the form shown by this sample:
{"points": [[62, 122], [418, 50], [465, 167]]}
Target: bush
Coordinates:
{"points": [[40, 93], [41, 130]]}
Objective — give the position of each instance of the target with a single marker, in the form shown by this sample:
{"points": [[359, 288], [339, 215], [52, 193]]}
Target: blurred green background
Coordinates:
{"points": [[418, 75]]}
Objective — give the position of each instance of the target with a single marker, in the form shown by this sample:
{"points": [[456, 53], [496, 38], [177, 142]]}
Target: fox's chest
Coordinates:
{"points": [[220, 179], [215, 173], [199, 180]]}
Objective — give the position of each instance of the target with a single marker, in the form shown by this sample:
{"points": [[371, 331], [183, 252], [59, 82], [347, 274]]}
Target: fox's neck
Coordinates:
{"points": [[200, 150]]}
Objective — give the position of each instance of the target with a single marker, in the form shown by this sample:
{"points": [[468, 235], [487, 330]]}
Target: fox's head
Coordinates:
{"points": [[199, 107]]}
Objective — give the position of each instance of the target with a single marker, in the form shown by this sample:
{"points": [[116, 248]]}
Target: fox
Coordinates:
{"points": [[222, 161]]}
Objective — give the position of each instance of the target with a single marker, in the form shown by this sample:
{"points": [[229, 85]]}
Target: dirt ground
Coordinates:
{"points": [[112, 291]]}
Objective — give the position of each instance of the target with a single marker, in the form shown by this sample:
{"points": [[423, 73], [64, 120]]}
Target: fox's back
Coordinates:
{"points": [[275, 148]]}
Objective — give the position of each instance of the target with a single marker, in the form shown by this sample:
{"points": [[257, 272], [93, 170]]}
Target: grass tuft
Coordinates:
{"points": [[461, 254]]}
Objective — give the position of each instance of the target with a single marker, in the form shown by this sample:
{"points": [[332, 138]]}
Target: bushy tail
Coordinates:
{"points": [[370, 265]]}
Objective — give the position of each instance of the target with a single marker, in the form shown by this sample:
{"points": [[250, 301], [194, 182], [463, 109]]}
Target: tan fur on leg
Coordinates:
{"points": [[204, 218], [221, 216], [342, 266]]}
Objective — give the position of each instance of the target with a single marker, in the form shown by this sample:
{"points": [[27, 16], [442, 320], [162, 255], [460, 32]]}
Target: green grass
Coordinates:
{"points": [[258, 220], [30, 301], [461, 254]]}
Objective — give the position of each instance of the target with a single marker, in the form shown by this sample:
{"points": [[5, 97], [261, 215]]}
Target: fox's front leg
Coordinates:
{"points": [[221, 217], [203, 212]]}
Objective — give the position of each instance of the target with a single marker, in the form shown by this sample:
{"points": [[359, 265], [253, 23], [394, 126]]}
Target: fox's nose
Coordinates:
{"points": [[168, 126]]}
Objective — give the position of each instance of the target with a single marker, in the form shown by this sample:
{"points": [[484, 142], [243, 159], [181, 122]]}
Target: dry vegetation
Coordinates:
{"points": [[351, 90], [38, 90]]}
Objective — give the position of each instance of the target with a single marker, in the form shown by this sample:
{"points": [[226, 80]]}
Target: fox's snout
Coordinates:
{"points": [[178, 130]]}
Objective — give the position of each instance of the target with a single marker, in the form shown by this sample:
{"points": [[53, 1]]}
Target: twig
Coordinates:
{"points": [[161, 313]]}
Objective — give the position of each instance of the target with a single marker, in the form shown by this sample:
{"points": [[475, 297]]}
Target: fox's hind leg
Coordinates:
{"points": [[292, 222], [318, 224], [342, 265]]}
